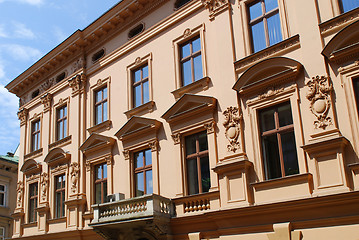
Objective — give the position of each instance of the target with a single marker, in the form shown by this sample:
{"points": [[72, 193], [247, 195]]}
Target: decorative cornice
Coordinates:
{"points": [[337, 23]]}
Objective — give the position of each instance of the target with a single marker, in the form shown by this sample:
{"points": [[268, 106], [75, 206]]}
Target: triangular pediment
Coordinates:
{"points": [[136, 126], [30, 166], [268, 72], [344, 45], [56, 156], [97, 141], [188, 105]]}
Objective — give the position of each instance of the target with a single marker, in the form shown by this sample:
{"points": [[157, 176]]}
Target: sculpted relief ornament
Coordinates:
{"points": [[20, 193], [320, 89], [232, 124], [74, 172], [44, 185], [215, 6]]}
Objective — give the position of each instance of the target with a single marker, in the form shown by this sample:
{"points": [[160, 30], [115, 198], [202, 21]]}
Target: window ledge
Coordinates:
{"points": [[34, 154], [144, 108], [106, 125], [278, 49], [61, 142], [28, 225], [202, 84], [284, 181], [57, 220], [337, 23]]}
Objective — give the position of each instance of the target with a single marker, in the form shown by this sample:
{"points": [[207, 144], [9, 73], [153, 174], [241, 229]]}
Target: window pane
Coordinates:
{"points": [[274, 31], [196, 45], [149, 182], [31, 211], [98, 193], [145, 72], [137, 98], [258, 37], [140, 188], [2, 199], [104, 93], [98, 114], [63, 204], [98, 96], [65, 111], [190, 144], [348, 5], [267, 120], [58, 204], [137, 76], [202, 139], [60, 127], [2, 188], [289, 154], [98, 172], [146, 96], [271, 157], [65, 128], [192, 176], [270, 4], [285, 115], [1, 231], [104, 171], [206, 181], [148, 157], [186, 73], [58, 182], [138, 159], [255, 11], [104, 111], [104, 191], [197, 62], [185, 50], [356, 92]]}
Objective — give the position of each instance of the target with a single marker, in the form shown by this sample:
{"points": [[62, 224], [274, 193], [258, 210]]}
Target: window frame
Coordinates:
{"points": [[59, 120], [101, 103], [143, 170], [5, 194], [140, 83], [33, 133], [54, 139], [188, 35], [341, 7], [34, 198], [102, 181], [246, 28], [62, 192], [2, 237]]}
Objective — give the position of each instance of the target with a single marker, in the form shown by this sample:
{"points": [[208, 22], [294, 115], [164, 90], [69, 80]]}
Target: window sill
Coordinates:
{"points": [[144, 108], [34, 154], [28, 225], [61, 142], [278, 49], [57, 220], [106, 125], [200, 85]]}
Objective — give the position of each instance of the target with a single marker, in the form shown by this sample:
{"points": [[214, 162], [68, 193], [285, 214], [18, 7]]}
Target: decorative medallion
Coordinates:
{"points": [[319, 97], [44, 185], [233, 130], [187, 33], [74, 172], [20, 191]]}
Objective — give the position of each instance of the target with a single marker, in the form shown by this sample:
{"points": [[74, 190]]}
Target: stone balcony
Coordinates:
{"points": [[133, 218]]}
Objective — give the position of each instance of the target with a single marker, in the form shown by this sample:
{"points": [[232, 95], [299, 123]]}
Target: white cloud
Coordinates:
{"points": [[20, 52], [2, 71], [21, 31], [59, 34], [2, 31], [31, 2]]}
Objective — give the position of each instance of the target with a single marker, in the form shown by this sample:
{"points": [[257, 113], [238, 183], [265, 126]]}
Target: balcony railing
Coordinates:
{"points": [[135, 208]]}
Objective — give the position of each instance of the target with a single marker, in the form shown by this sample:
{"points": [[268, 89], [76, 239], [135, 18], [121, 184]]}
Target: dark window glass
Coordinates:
{"points": [[61, 123], [60, 77], [98, 55], [264, 23], [60, 196], [136, 30], [278, 141], [35, 135], [197, 163], [35, 93], [356, 92], [143, 172], [100, 105], [347, 5], [180, 3], [33, 195], [140, 86], [100, 183], [191, 61], [2, 195]]}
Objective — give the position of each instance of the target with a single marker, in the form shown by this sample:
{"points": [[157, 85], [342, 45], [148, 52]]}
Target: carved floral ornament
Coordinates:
{"points": [[46, 100], [232, 125], [77, 82], [20, 193], [319, 92]]}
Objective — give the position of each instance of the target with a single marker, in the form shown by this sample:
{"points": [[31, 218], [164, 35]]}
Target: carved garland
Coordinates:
{"points": [[232, 124], [320, 89]]}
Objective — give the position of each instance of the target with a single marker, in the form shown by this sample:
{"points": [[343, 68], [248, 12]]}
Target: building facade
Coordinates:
{"points": [[8, 180], [178, 119]]}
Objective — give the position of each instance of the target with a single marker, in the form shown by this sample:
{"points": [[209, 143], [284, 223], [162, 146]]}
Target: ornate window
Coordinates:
{"points": [[100, 105], [100, 183], [197, 163], [2, 233], [140, 86], [35, 135], [347, 5], [191, 61], [264, 24], [33, 198], [61, 123], [3, 196], [143, 172], [60, 186], [278, 141]]}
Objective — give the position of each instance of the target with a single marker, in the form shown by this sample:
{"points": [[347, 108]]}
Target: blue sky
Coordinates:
{"points": [[28, 30]]}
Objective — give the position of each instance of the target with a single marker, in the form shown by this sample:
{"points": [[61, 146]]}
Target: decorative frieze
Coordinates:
{"points": [[46, 101], [319, 92], [44, 185], [80, 63], [270, 93], [232, 125], [20, 193], [74, 173], [46, 85], [23, 115]]}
